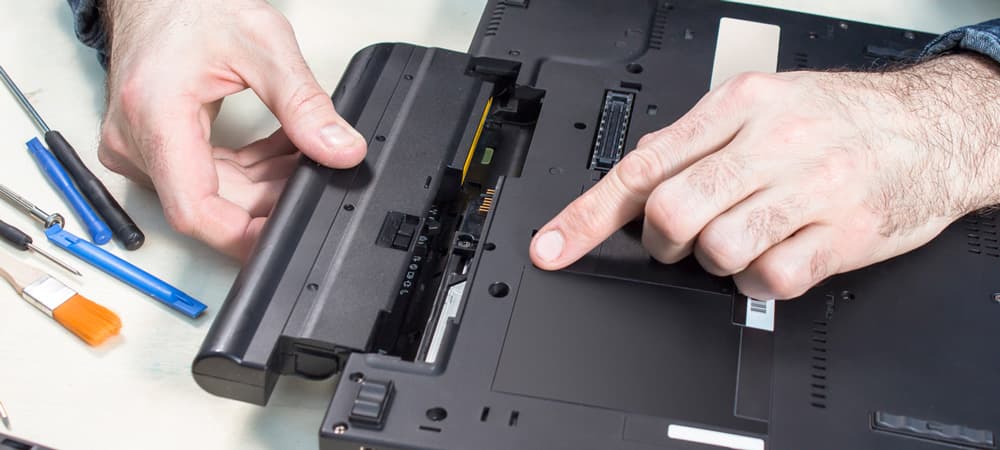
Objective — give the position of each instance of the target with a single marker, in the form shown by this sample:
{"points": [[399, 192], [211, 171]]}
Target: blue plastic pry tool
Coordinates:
{"points": [[125, 271], [99, 230]]}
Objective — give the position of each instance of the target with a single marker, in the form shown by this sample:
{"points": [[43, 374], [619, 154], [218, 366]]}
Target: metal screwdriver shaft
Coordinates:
{"points": [[125, 230], [23, 101], [55, 260], [47, 220]]}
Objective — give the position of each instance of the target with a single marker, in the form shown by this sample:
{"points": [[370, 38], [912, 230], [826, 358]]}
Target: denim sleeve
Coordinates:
{"points": [[89, 24], [982, 38]]}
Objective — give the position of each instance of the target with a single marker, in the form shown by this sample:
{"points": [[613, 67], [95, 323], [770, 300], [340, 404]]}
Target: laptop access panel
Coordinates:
{"points": [[409, 275]]}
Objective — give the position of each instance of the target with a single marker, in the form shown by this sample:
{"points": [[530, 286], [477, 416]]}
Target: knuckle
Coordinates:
{"points": [[646, 139], [721, 249], [836, 167], [181, 219], [582, 220], [262, 21], [662, 213], [305, 100], [130, 94], [637, 172], [749, 85], [784, 280]]}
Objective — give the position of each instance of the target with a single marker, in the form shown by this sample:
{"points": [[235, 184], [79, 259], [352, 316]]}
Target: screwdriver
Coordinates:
{"points": [[106, 261], [123, 227], [21, 241]]}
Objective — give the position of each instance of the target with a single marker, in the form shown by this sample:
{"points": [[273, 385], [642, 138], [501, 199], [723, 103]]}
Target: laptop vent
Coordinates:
{"points": [[493, 26], [981, 231], [659, 26], [801, 60], [818, 363]]}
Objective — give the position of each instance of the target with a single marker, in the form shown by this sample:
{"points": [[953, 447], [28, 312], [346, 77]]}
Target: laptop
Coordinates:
{"points": [[406, 280]]}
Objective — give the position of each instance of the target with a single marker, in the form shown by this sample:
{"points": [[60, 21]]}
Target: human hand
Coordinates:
{"points": [[784, 180], [171, 64]]}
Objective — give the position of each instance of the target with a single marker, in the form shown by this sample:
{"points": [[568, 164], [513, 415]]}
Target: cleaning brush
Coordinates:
{"points": [[89, 321]]}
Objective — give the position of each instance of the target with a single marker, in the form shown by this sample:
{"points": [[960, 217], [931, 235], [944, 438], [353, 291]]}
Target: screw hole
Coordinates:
{"points": [[340, 428], [437, 414], [634, 68], [312, 286], [499, 289], [847, 295], [490, 246], [813, 35], [580, 126], [514, 53], [357, 377], [380, 138], [407, 77], [349, 207]]}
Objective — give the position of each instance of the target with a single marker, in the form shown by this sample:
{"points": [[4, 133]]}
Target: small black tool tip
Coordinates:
{"points": [[131, 237]]}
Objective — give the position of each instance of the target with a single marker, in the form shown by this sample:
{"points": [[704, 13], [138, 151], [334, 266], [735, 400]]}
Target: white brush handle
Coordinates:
{"points": [[17, 273]]}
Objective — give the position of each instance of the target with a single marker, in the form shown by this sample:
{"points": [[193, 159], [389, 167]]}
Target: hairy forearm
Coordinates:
{"points": [[953, 109]]}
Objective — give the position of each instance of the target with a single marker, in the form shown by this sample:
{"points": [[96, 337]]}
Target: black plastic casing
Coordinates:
{"points": [[316, 282]]}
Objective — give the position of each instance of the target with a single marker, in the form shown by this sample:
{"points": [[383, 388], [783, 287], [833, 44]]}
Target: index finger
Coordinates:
{"points": [[621, 195]]}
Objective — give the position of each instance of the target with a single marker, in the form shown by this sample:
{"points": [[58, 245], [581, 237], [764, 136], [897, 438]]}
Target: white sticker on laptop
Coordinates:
{"points": [[744, 46], [715, 438], [760, 314]]}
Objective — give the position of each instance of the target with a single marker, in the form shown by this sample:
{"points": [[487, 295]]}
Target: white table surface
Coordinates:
{"points": [[137, 392]]}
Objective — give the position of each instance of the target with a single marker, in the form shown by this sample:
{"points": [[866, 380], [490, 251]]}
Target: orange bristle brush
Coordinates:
{"points": [[89, 321]]}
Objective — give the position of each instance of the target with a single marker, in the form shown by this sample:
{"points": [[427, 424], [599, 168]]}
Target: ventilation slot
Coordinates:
{"points": [[493, 26], [981, 234], [801, 60], [818, 364], [659, 26]]}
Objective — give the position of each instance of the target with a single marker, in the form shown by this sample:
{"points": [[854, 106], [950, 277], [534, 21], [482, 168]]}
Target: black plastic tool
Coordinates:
{"points": [[123, 227]]}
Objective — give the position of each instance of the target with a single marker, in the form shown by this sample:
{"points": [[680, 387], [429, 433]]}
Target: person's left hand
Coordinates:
{"points": [[784, 180]]}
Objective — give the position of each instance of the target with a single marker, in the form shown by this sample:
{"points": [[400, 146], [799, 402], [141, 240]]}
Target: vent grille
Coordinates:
{"points": [[656, 36], [493, 26], [801, 60], [981, 231], [818, 370]]}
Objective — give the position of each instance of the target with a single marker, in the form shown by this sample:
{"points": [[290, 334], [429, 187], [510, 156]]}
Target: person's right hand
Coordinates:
{"points": [[171, 64]]}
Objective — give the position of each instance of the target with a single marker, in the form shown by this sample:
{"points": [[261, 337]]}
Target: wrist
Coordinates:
{"points": [[951, 105]]}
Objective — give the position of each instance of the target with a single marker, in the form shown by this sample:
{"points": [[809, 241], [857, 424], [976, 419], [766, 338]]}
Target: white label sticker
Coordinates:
{"points": [[760, 314], [716, 438], [744, 46]]}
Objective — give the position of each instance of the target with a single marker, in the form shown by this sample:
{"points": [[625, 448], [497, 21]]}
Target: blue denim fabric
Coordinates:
{"points": [[90, 26], [982, 38]]}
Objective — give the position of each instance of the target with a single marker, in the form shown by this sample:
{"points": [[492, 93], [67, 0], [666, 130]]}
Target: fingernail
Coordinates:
{"points": [[549, 245], [337, 137]]}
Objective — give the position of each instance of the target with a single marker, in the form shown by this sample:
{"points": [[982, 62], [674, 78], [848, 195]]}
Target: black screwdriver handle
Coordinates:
{"points": [[14, 236], [124, 229]]}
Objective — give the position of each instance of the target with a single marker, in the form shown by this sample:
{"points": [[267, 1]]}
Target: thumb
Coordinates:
{"points": [[306, 113]]}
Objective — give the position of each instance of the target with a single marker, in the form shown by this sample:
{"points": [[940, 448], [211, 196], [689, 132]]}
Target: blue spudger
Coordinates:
{"points": [[125, 271], [99, 230]]}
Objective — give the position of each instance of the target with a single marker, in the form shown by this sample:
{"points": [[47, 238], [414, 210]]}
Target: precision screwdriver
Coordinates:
{"points": [[124, 228], [23, 242], [106, 261]]}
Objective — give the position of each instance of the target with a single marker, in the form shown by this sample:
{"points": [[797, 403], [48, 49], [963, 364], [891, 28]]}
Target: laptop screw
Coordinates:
{"points": [[996, 297], [340, 429]]}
